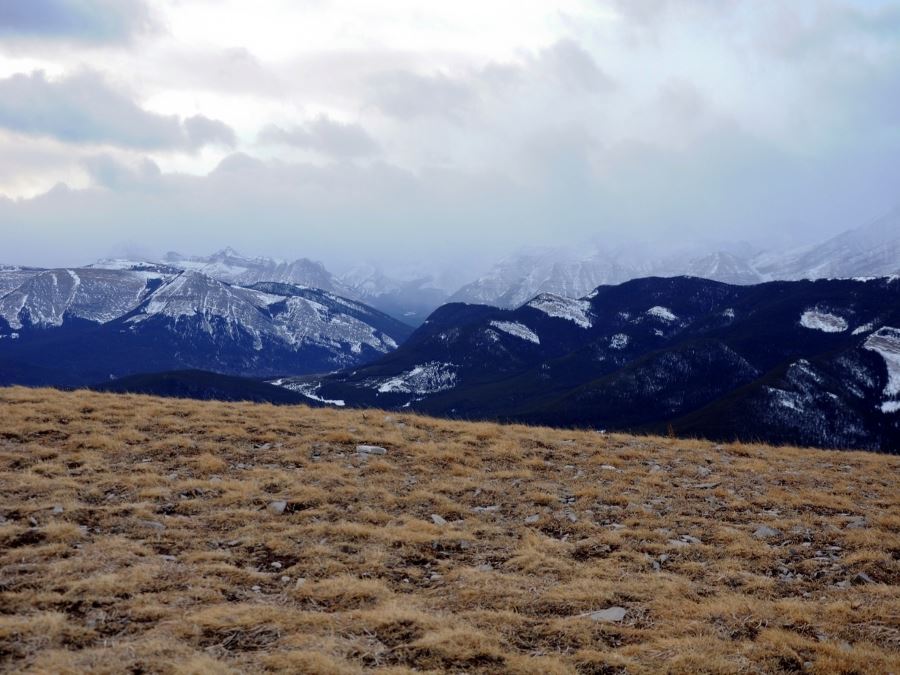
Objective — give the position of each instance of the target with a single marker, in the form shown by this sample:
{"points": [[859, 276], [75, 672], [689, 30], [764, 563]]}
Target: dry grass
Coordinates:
{"points": [[136, 536]]}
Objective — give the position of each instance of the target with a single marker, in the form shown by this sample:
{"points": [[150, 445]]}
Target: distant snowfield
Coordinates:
{"points": [[814, 319], [559, 307], [516, 329], [428, 378], [663, 313], [886, 342]]}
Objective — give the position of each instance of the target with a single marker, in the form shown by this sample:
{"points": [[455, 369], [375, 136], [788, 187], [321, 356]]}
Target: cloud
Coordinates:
{"points": [[325, 136], [409, 95], [89, 21], [85, 108], [110, 172]]}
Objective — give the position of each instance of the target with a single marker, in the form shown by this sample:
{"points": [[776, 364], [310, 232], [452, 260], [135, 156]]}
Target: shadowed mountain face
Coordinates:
{"points": [[802, 362], [81, 326]]}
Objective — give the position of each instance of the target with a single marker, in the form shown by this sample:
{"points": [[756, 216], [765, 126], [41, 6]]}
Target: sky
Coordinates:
{"points": [[440, 134]]}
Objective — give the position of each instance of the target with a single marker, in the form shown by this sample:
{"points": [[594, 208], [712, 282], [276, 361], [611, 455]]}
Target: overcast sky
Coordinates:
{"points": [[433, 132]]}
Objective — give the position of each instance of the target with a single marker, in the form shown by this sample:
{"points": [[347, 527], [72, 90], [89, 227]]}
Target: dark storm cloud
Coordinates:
{"points": [[90, 21], [85, 108]]}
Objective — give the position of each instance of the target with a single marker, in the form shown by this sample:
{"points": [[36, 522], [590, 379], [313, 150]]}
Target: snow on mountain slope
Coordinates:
{"points": [[230, 266], [516, 280], [886, 343], [577, 311], [12, 276], [872, 250], [44, 300], [723, 266], [516, 329], [826, 322], [320, 319]]}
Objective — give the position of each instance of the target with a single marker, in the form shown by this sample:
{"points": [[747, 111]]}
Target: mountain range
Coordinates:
{"points": [[81, 326], [870, 250], [802, 362]]}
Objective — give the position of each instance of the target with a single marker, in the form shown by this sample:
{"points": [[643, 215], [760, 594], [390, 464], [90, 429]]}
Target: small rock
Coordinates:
{"points": [[276, 565], [856, 523], [33, 521], [608, 615], [435, 576], [485, 567], [704, 472], [277, 507], [608, 467], [705, 486], [285, 578], [370, 450], [169, 558], [862, 578], [151, 524], [264, 446], [765, 532], [532, 519], [438, 520], [233, 542], [256, 589], [58, 509], [486, 509]]}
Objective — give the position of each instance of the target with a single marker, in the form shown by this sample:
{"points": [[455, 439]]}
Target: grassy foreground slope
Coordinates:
{"points": [[158, 535]]}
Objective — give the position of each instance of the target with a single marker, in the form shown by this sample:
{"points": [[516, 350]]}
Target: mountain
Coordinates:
{"points": [[80, 326], [230, 266], [723, 266], [411, 299], [516, 279], [868, 251], [804, 362], [13, 276]]}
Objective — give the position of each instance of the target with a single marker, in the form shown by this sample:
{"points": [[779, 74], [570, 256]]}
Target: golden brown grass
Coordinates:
{"points": [[136, 535]]}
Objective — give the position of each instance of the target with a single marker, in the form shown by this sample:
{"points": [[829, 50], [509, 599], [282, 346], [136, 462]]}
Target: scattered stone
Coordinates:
{"points": [[706, 486], [486, 509], [151, 524], [608, 467], [256, 589], [532, 519], [233, 542], [370, 450], [277, 507], [688, 539], [862, 578], [857, 523], [765, 532], [285, 578], [438, 520], [264, 446], [608, 615], [704, 472], [485, 567], [58, 509], [277, 565]]}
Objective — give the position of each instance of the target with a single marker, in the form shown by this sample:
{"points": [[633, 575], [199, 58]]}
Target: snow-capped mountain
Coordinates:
{"points": [[87, 324], [515, 280], [412, 299], [869, 251], [798, 362], [229, 265], [723, 266], [50, 297]]}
